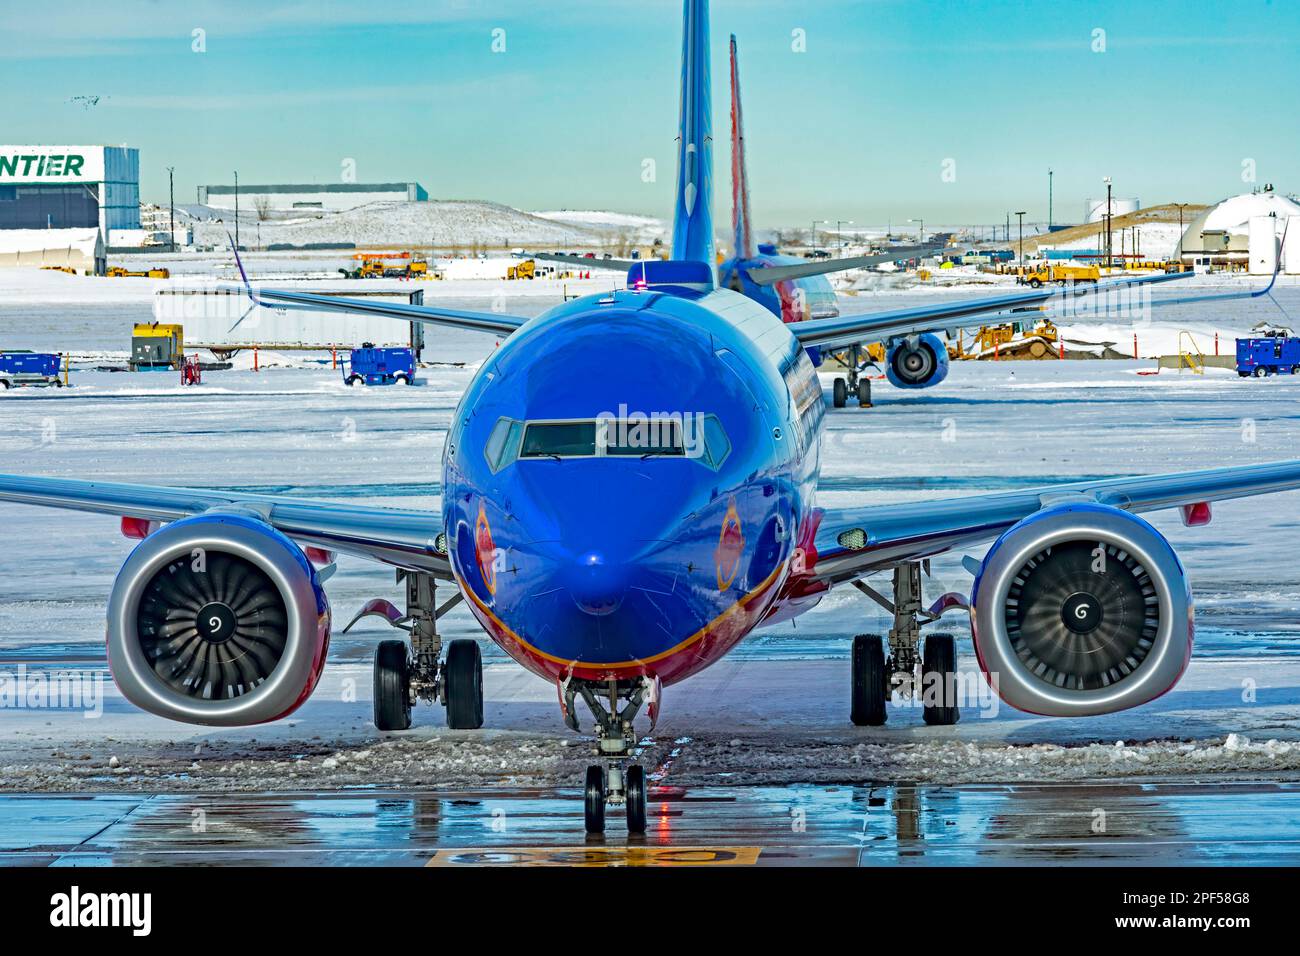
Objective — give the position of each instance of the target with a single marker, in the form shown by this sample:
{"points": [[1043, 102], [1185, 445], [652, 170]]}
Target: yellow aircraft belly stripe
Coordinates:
{"points": [[697, 636]]}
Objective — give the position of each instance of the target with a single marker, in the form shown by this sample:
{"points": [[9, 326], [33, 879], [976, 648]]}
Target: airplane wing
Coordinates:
{"points": [[621, 265], [773, 274], [853, 541], [847, 330], [496, 323], [404, 539]]}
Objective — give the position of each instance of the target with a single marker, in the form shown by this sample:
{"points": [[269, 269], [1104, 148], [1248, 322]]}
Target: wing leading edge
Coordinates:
{"points": [[405, 539]]}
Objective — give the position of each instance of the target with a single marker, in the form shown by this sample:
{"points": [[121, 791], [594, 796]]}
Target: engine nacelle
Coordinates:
{"points": [[217, 619], [917, 361], [1081, 609]]}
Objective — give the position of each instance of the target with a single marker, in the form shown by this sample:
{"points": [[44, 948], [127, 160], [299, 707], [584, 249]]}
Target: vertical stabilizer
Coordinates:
{"points": [[693, 215], [743, 237]]}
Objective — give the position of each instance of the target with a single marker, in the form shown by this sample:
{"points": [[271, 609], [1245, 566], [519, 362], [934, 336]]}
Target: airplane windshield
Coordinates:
{"points": [[606, 438], [559, 440]]}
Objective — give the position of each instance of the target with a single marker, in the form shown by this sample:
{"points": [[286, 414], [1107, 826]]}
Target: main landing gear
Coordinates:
{"points": [[930, 675], [856, 385], [617, 781], [411, 670]]}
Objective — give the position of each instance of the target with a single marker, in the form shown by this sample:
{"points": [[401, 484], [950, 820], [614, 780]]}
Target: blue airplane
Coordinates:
{"points": [[629, 489], [795, 289]]}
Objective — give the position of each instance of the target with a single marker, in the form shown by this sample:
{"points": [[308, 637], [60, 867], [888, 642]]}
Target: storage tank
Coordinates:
{"points": [[1094, 210]]}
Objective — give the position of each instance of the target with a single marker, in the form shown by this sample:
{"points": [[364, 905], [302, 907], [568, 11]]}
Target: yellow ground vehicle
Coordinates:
{"points": [[1061, 274], [375, 266], [119, 272], [155, 345], [524, 270]]}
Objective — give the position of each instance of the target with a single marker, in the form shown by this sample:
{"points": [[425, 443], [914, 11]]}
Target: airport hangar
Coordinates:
{"points": [[59, 205]]}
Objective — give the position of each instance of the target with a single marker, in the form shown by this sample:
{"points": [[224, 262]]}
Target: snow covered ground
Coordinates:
{"points": [[777, 708]]}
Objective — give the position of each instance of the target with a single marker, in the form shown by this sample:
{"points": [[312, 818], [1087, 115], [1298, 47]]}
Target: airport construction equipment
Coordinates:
{"points": [[376, 266], [1060, 274], [156, 346], [119, 272], [524, 270]]}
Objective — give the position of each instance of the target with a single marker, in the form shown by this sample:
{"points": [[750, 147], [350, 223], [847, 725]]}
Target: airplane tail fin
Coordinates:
{"points": [[693, 213], [743, 238]]}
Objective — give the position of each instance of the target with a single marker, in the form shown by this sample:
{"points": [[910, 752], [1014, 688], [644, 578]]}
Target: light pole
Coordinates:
{"points": [[236, 210], [1049, 200], [839, 237], [920, 222], [1020, 216], [1109, 259], [812, 232], [1181, 206], [171, 191]]}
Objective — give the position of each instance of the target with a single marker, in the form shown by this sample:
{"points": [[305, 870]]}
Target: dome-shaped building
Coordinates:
{"points": [[1221, 236]]}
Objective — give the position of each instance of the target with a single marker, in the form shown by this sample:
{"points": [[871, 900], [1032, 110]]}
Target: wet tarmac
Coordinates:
{"points": [[1256, 824]]}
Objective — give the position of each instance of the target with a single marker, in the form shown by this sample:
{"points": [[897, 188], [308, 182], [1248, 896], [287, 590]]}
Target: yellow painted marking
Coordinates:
{"points": [[598, 856]]}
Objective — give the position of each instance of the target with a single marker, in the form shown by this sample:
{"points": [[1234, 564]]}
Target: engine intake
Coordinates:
{"points": [[217, 619], [1081, 609], [917, 361]]}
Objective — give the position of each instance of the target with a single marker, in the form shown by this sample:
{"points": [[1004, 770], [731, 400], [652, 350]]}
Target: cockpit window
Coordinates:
{"points": [[503, 443], [716, 444], [702, 439], [559, 440], [642, 438]]}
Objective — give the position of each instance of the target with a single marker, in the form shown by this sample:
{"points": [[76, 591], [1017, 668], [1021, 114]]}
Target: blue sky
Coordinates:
{"points": [[858, 126]]}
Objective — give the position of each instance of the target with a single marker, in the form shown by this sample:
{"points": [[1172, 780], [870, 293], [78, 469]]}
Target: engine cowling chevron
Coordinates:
{"points": [[1081, 609], [217, 619]]}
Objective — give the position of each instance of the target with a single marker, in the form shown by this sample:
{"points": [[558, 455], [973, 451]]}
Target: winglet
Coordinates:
{"points": [[248, 287]]}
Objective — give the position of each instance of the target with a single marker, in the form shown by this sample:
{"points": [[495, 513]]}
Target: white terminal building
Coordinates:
{"points": [[289, 198], [60, 205]]}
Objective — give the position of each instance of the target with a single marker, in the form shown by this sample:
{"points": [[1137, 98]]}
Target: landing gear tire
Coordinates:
{"points": [[870, 681], [939, 681], [864, 393], [635, 799], [392, 686], [840, 393], [594, 800], [463, 677]]}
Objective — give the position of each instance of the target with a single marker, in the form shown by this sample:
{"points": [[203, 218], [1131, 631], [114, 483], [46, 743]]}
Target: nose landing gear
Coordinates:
{"points": [[618, 781]]}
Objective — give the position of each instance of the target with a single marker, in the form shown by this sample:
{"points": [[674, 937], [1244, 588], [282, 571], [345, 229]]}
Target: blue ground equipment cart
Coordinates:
{"points": [[374, 366], [1274, 352], [30, 368]]}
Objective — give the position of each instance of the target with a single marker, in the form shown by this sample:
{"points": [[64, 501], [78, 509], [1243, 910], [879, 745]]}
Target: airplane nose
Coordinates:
{"points": [[597, 585]]}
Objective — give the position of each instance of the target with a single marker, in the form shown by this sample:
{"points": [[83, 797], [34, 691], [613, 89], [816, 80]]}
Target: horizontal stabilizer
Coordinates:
{"points": [[774, 274]]}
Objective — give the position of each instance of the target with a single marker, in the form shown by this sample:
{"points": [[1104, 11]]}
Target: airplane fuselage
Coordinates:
{"points": [[599, 563]]}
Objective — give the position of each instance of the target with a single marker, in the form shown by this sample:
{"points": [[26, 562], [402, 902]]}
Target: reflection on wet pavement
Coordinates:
{"points": [[895, 825]]}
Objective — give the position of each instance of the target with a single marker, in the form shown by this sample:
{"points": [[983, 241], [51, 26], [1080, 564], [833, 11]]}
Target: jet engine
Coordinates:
{"points": [[917, 361], [1081, 609], [217, 619]]}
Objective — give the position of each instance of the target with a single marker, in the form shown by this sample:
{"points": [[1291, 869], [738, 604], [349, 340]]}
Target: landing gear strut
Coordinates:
{"points": [[405, 675], [853, 385], [618, 781], [931, 676]]}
